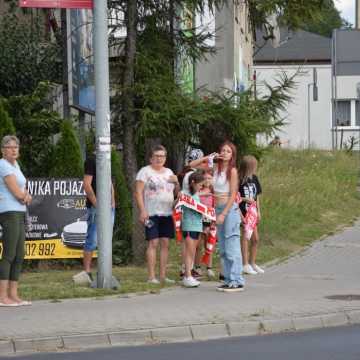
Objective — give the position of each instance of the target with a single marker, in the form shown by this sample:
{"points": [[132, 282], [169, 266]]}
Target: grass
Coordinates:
{"points": [[306, 195]]}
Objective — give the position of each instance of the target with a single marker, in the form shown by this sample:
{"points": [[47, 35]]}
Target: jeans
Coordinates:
{"points": [[91, 235], [229, 245]]}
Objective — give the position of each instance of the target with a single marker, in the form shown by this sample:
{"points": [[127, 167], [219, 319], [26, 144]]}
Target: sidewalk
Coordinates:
{"points": [[288, 297]]}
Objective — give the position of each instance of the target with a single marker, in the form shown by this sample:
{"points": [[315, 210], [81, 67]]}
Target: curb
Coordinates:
{"points": [[196, 332]]}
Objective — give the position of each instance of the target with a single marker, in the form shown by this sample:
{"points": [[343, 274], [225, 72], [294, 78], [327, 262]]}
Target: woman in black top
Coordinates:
{"points": [[250, 189]]}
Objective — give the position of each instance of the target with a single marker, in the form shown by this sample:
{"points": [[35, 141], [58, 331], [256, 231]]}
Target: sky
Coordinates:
{"points": [[347, 8]]}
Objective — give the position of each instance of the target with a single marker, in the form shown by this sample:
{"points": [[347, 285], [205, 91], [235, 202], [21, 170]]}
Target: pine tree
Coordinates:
{"points": [[67, 161]]}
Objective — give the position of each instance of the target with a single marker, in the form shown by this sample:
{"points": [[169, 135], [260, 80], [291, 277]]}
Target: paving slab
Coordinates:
{"points": [[172, 334], [316, 288], [209, 331], [128, 338]]}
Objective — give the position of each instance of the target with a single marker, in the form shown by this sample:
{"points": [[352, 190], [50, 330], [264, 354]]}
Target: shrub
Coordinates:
{"points": [[123, 217], [67, 161]]}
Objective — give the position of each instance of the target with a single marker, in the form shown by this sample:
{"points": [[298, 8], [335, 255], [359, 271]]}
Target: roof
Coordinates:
{"points": [[296, 47]]}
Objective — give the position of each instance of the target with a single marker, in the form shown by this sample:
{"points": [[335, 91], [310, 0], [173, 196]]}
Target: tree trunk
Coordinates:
{"points": [[128, 123]]}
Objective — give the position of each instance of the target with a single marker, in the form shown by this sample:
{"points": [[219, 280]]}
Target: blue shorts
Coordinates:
{"points": [[192, 234], [163, 227], [91, 236]]}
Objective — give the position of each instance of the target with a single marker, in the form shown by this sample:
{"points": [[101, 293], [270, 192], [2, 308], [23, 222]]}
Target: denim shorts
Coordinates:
{"points": [[162, 227], [91, 235], [192, 234]]}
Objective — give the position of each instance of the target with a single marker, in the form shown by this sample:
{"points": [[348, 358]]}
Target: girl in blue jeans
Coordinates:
{"points": [[227, 215]]}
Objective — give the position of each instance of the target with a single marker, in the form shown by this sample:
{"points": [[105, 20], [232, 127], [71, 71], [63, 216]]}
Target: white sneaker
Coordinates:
{"points": [[258, 269], [210, 273], [168, 281], [153, 281], [190, 282], [249, 270]]}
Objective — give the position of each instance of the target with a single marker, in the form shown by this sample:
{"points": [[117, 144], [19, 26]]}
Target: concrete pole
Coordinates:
{"points": [[309, 115], [357, 14], [103, 145]]}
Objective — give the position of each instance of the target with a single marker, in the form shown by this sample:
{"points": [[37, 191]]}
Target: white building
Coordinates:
{"points": [[333, 121], [302, 52], [231, 66]]}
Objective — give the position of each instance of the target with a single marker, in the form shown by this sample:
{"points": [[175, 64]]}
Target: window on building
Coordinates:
{"points": [[343, 111], [357, 112]]}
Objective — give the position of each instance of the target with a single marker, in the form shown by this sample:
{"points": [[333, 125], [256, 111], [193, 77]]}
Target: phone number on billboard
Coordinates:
{"points": [[39, 248]]}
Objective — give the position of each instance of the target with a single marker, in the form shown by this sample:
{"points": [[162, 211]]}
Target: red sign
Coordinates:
{"points": [[64, 4]]}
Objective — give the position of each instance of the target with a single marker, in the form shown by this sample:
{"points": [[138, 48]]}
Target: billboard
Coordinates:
{"points": [[81, 60], [65, 4], [56, 219]]}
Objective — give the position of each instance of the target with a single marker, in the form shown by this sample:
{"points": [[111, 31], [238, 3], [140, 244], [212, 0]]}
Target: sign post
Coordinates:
{"points": [[52, 4], [103, 145], [102, 116]]}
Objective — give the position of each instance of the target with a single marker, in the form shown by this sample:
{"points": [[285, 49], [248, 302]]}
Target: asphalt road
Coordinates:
{"points": [[327, 344]]}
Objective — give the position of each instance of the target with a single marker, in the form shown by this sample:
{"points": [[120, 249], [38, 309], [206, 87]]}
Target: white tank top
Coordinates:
{"points": [[221, 184]]}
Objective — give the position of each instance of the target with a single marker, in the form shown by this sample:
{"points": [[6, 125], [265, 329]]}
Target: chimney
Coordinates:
{"points": [[357, 14]]}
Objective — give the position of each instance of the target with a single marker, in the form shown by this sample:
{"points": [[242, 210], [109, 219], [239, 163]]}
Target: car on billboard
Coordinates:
{"points": [[66, 203], [74, 234]]}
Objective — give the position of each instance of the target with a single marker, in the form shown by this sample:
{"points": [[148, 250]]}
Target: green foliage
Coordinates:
{"points": [[329, 19], [90, 143], [123, 215], [67, 161], [291, 12], [35, 124], [6, 124], [26, 56]]}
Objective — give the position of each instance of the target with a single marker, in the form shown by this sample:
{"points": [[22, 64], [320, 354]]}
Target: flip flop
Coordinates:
{"points": [[24, 303], [8, 305]]}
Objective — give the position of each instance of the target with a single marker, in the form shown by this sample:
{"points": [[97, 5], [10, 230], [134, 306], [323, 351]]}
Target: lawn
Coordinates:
{"points": [[306, 195]]}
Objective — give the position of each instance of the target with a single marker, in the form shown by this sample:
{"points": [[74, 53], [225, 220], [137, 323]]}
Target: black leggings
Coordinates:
{"points": [[13, 239]]}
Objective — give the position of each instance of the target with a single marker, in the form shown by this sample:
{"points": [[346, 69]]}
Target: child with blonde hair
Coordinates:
{"points": [[250, 189]]}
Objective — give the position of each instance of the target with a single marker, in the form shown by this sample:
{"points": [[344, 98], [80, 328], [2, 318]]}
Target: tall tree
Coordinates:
{"points": [[26, 56], [151, 104], [128, 120], [329, 19]]}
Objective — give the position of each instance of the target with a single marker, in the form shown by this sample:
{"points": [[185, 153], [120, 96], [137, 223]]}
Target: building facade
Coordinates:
{"points": [[231, 66]]}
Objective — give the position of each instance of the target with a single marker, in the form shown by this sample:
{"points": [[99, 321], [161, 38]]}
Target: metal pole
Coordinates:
{"points": [[103, 145], [309, 87], [335, 90], [332, 94]]}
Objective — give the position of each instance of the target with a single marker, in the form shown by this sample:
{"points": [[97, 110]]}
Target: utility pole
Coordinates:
{"points": [[103, 146], [315, 98]]}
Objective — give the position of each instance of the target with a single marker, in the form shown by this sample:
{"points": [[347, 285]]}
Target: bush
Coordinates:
{"points": [[67, 159], [123, 218]]}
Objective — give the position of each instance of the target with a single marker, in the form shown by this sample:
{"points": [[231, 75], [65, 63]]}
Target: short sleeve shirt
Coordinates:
{"points": [[8, 202], [250, 188], [158, 191]]}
